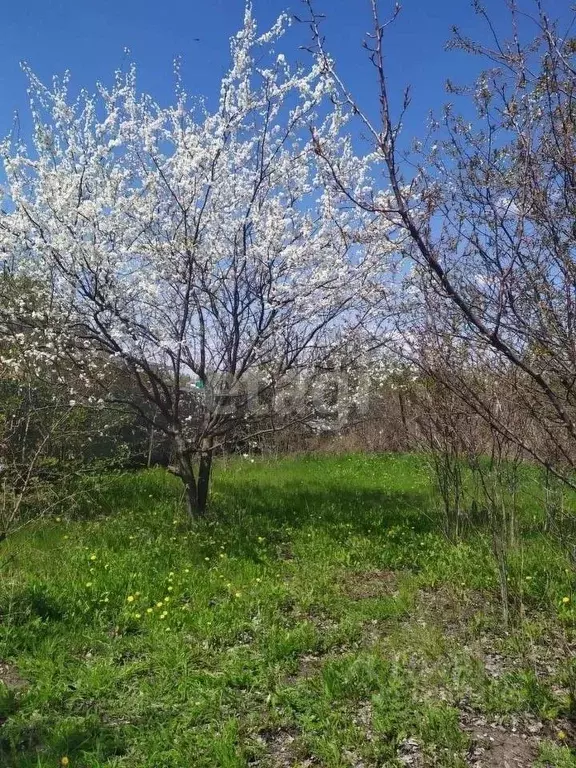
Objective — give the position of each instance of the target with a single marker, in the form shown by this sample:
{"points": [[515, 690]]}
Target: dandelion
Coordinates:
{"points": [[58, 519], [137, 615], [130, 598], [207, 559], [565, 600], [149, 610], [88, 584], [170, 588], [167, 599], [222, 554], [93, 557], [64, 761], [260, 539], [160, 604], [137, 594], [238, 594], [561, 735], [186, 570]]}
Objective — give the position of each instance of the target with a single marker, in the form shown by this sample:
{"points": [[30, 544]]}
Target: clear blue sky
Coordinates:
{"points": [[89, 36]]}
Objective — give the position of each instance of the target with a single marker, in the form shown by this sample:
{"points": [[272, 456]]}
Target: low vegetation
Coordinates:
{"points": [[321, 618]]}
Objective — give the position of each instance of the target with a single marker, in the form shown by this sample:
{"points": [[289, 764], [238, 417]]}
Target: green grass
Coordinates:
{"points": [[319, 617]]}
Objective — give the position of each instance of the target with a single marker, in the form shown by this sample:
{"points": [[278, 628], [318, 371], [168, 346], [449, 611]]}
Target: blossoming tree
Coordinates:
{"points": [[205, 251]]}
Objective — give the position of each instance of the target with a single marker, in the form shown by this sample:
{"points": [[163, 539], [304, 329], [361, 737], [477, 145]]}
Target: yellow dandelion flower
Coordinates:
{"points": [[159, 604], [88, 583], [64, 761], [561, 735], [137, 615], [565, 600], [186, 570], [170, 588], [149, 610], [260, 539], [58, 519], [238, 594], [137, 594], [207, 559], [167, 599], [130, 598], [93, 557]]}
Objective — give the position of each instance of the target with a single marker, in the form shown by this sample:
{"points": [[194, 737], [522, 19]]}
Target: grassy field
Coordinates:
{"points": [[319, 618]]}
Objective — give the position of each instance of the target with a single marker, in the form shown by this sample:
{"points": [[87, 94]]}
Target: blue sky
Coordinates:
{"points": [[89, 37]]}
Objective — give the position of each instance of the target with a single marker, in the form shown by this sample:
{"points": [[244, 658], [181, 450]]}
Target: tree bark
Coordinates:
{"points": [[190, 486], [150, 445], [185, 471], [204, 473], [196, 490]]}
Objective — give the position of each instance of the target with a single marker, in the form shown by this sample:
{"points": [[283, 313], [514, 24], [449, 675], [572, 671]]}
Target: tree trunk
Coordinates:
{"points": [[196, 491], [204, 473], [185, 471], [150, 445]]}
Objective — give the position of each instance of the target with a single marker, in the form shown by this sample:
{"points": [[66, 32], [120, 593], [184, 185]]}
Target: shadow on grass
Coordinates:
{"points": [[362, 510], [103, 741], [335, 497], [332, 511]]}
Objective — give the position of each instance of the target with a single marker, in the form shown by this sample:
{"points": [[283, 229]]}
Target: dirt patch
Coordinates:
{"points": [[561, 730], [308, 666], [410, 753], [282, 749], [367, 584], [10, 676], [494, 746], [452, 611]]}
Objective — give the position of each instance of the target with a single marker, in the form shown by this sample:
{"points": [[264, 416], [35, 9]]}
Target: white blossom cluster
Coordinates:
{"points": [[186, 243]]}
